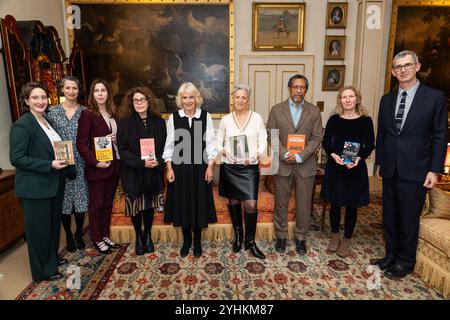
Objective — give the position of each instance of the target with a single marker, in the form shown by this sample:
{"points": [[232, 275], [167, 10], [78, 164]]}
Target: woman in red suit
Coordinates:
{"points": [[99, 121]]}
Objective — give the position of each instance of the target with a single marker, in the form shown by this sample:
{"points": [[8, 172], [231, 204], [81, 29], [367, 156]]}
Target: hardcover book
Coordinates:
{"points": [[103, 149], [350, 152], [296, 143], [239, 147], [64, 151], [147, 148]]}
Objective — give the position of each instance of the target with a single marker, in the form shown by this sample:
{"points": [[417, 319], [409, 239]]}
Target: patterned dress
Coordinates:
{"points": [[76, 192]]}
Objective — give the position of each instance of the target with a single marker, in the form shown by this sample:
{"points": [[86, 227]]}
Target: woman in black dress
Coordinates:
{"points": [[346, 182], [142, 179], [189, 154]]}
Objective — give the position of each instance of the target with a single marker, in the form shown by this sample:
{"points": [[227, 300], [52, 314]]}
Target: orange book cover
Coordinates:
{"points": [[148, 148], [296, 143]]}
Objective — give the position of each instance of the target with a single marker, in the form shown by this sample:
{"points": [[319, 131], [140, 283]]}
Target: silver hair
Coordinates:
{"points": [[405, 53], [189, 88], [242, 86]]}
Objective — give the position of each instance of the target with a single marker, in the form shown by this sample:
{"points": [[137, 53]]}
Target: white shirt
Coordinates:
{"points": [[50, 132], [253, 129], [211, 150]]}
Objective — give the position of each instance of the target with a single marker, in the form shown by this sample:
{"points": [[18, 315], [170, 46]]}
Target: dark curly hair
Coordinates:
{"points": [[127, 107]]}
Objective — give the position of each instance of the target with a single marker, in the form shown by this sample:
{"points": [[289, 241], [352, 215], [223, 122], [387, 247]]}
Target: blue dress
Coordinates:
{"points": [[76, 192]]}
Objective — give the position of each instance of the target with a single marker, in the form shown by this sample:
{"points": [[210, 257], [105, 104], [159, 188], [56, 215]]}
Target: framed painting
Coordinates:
{"points": [[333, 77], [337, 14], [334, 47], [159, 44], [422, 27], [278, 26]]}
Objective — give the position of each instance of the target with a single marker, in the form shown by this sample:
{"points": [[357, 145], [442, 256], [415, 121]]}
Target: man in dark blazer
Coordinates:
{"points": [[295, 116], [410, 152]]}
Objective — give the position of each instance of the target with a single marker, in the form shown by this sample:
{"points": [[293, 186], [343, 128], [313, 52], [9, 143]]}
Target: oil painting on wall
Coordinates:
{"points": [[160, 46]]}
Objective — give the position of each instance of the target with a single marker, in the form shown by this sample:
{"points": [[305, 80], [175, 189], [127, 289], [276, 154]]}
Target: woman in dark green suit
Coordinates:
{"points": [[40, 180]]}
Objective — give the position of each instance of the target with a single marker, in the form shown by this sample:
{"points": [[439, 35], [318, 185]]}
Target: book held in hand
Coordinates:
{"points": [[103, 149], [350, 152], [64, 151], [147, 148], [239, 147], [296, 143]]}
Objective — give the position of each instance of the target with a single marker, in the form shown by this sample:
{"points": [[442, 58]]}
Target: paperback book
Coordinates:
{"points": [[296, 143], [103, 149], [350, 152], [239, 147], [148, 148]]}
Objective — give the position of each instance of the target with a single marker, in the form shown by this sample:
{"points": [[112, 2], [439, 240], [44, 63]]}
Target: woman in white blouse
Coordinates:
{"points": [[242, 139], [189, 154]]}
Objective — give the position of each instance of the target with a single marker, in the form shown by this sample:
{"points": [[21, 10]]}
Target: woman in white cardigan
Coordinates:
{"points": [[242, 139]]}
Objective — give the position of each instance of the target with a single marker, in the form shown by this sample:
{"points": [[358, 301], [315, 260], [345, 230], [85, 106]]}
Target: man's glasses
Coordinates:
{"points": [[298, 87], [406, 66], [141, 100]]}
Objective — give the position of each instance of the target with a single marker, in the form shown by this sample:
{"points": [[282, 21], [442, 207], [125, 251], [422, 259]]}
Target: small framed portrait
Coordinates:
{"points": [[333, 77], [337, 14], [334, 47]]}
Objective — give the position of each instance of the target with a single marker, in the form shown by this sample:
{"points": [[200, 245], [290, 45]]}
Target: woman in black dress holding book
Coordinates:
{"points": [[142, 179], [189, 154], [346, 184]]}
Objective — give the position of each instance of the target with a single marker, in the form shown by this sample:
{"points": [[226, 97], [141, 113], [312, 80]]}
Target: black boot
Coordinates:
{"points": [[70, 241], [236, 219], [79, 221], [138, 244], [147, 235], [187, 242], [250, 231], [198, 243], [137, 224]]}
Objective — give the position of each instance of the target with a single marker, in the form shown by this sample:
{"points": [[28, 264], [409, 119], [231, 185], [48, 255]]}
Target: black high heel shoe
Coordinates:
{"points": [[111, 243], [102, 247], [70, 244]]}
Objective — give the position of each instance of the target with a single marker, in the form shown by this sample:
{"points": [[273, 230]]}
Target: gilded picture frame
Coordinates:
{"points": [[159, 44], [334, 47], [278, 26], [428, 39], [336, 14], [333, 77]]}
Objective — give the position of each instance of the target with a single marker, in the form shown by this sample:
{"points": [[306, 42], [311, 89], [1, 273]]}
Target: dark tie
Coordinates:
{"points": [[400, 112]]}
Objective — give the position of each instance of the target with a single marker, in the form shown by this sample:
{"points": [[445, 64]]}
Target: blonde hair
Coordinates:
{"points": [[189, 88], [360, 110]]}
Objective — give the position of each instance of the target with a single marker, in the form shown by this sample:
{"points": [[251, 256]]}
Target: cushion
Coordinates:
{"points": [[437, 232], [439, 204]]}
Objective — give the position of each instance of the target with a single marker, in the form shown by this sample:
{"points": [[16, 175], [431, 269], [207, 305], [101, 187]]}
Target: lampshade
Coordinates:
{"points": [[447, 158]]}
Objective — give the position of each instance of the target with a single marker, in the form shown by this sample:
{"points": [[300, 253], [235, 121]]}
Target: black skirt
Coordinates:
{"points": [[239, 182]]}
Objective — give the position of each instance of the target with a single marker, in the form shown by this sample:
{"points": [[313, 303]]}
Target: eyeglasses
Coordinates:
{"points": [[406, 66], [298, 87], [141, 100]]}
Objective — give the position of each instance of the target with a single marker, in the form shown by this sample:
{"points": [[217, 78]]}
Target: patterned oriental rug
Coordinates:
{"points": [[222, 275]]}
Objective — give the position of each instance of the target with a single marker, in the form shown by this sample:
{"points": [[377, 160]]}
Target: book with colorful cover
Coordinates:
{"points": [[64, 151], [103, 149], [350, 152], [147, 148], [296, 143], [239, 147]]}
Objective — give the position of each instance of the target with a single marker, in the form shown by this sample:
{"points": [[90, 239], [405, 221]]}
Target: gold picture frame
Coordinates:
{"points": [[337, 14], [334, 47], [428, 39], [333, 77], [278, 26], [160, 44]]}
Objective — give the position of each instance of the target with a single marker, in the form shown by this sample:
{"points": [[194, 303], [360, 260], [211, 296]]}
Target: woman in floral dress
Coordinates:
{"points": [[64, 118]]}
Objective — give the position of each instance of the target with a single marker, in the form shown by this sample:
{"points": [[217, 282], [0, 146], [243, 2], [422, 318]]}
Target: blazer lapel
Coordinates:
{"points": [[287, 114], [392, 103], [417, 101], [41, 135]]}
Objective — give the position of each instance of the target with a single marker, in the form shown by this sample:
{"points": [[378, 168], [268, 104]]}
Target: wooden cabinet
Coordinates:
{"points": [[12, 226]]}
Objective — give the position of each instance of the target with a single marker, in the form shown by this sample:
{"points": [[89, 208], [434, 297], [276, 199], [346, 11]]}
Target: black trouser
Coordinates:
{"points": [[402, 204], [350, 220]]}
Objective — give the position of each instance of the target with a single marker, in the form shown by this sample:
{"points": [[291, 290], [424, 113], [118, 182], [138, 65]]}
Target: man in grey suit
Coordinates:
{"points": [[295, 116]]}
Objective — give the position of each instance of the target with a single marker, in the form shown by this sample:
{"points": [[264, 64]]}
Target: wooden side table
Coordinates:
{"points": [[12, 226]]}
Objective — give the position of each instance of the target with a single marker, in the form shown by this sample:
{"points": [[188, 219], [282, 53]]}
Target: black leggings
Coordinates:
{"points": [[250, 206], [350, 220]]}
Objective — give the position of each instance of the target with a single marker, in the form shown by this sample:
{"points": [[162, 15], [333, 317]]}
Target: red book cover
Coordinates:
{"points": [[295, 143], [148, 148]]}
